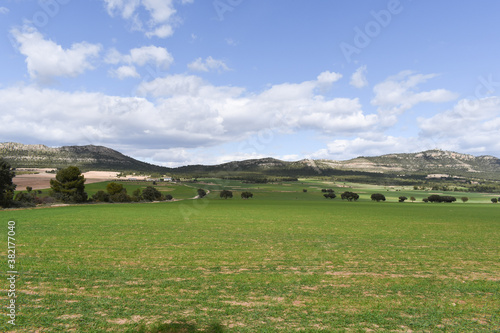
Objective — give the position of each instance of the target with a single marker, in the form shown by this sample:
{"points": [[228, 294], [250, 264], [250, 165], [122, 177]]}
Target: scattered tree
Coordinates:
{"points": [[330, 195], [350, 196], [226, 194], [377, 197], [494, 200], [169, 197], [246, 195], [69, 185], [304, 190], [464, 199], [201, 193], [402, 198], [412, 199], [7, 187], [426, 200]]}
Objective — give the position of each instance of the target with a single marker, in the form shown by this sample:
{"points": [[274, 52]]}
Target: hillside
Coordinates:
{"points": [[86, 157], [433, 163]]}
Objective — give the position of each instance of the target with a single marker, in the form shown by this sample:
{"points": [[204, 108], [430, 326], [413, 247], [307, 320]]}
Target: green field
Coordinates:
{"points": [[286, 260]]}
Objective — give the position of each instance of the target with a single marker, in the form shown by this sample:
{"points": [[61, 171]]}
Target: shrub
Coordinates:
{"points": [[464, 199], [169, 197], [402, 198], [201, 193], [494, 200], [412, 199]]}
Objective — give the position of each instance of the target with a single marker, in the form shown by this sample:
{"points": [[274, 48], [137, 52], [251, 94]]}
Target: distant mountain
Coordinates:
{"points": [[86, 157], [434, 163]]}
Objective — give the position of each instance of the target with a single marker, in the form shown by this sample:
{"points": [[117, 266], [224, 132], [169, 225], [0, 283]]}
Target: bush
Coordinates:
{"points": [[169, 197], [121, 197], [464, 199], [201, 193], [494, 200], [402, 198]]}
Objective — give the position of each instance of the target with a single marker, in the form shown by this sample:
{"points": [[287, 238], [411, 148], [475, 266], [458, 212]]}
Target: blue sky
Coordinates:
{"points": [[178, 82]]}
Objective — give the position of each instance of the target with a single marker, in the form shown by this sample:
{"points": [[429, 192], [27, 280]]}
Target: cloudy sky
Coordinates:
{"points": [[178, 82]]}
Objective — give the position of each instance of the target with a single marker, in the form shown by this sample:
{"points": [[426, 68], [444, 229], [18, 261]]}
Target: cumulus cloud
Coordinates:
{"points": [[400, 92], [472, 125], [175, 112], [154, 55], [160, 21], [358, 78], [124, 72], [209, 64], [46, 59]]}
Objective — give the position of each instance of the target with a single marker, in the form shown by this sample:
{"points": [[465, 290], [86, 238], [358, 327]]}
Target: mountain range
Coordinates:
{"points": [[430, 163]]}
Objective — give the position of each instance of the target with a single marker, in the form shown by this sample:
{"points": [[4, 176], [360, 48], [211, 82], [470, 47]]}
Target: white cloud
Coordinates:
{"points": [[45, 59], [4, 10], [208, 65], [176, 112], [358, 78], [399, 93], [141, 56], [471, 124], [161, 19], [123, 72], [156, 56]]}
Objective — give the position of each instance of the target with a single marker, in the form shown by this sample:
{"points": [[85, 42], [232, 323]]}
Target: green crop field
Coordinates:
{"points": [[284, 261]]}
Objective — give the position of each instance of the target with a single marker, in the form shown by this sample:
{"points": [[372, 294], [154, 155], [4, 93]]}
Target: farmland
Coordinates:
{"points": [[285, 260]]}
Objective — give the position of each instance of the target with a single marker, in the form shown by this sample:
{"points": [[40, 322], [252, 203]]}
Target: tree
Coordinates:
{"points": [[151, 194], [101, 196], [464, 199], [246, 195], [226, 194], [350, 196], [330, 195], [201, 193], [304, 190], [114, 188], [402, 198], [377, 197], [426, 200], [136, 195], [7, 187], [412, 199], [494, 200], [69, 185]]}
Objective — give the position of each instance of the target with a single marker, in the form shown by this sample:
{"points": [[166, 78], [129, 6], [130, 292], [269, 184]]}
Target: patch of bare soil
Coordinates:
{"points": [[42, 179]]}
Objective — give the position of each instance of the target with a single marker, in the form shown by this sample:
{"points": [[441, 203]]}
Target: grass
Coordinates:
{"points": [[283, 261]]}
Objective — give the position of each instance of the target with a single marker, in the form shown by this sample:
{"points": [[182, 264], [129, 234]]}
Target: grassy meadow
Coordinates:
{"points": [[284, 261]]}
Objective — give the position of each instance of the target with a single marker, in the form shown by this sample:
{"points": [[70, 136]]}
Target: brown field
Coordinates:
{"points": [[41, 180]]}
